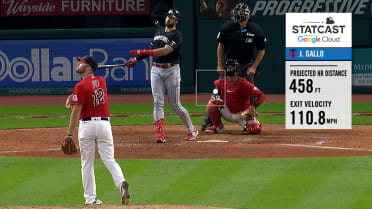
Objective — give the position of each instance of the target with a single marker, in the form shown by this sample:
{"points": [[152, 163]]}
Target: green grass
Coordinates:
{"points": [[298, 183], [140, 114]]}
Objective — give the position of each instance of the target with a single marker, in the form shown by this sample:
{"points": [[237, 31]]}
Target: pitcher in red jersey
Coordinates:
{"points": [[234, 93], [89, 104]]}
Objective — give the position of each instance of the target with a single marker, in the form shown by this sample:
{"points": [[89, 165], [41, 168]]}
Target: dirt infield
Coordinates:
{"points": [[138, 141]]}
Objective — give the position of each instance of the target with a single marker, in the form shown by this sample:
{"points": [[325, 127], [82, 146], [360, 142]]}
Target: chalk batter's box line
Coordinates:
{"points": [[196, 86]]}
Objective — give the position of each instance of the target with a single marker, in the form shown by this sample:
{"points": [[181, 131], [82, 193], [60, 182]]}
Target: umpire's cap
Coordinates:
{"points": [[89, 60], [240, 12], [173, 13]]}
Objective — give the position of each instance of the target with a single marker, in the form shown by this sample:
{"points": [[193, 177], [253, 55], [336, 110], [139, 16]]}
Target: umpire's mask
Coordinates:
{"points": [[240, 12]]}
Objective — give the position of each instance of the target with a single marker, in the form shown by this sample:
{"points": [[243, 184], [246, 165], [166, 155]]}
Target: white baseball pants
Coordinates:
{"points": [[91, 134], [227, 115]]}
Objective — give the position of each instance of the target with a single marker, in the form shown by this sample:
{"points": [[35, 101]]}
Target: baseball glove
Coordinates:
{"points": [[68, 145], [248, 113]]}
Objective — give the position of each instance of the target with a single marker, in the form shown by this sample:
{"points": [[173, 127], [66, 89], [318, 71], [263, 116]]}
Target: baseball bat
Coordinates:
{"points": [[109, 66]]}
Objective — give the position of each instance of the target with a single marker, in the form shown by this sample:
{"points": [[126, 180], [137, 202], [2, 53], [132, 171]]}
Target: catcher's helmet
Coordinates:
{"points": [[231, 66], [173, 13], [240, 12]]}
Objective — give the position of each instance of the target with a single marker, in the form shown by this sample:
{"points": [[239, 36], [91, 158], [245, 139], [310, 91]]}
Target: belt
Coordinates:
{"points": [[163, 65], [95, 118]]}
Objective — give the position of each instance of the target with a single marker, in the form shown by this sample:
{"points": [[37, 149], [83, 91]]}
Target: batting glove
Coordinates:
{"points": [[131, 62]]}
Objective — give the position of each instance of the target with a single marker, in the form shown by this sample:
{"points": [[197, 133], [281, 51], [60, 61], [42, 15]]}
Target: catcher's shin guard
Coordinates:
{"points": [[253, 126], [214, 111], [159, 128]]}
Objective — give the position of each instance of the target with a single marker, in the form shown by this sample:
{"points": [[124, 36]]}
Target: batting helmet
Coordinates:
{"points": [[231, 66], [240, 12], [173, 13]]}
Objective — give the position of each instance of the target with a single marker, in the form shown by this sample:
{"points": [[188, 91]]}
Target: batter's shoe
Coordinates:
{"points": [[159, 128], [160, 139], [125, 196], [95, 202], [215, 130], [191, 136]]}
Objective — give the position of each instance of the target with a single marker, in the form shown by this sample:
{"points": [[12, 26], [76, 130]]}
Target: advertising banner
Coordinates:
{"points": [[318, 70], [362, 67], [281, 7], [74, 7], [51, 63]]}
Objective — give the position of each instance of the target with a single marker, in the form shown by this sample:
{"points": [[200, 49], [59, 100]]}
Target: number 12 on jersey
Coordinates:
{"points": [[98, 97]]}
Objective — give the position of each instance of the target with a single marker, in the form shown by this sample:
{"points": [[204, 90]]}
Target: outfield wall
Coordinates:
{"points": [[198, 51]]}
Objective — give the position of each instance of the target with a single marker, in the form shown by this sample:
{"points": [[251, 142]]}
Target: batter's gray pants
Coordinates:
{"points": [[168, 79]]}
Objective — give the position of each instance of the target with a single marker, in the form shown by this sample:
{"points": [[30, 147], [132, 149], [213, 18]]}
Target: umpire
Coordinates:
{"points": [[238, 39]]}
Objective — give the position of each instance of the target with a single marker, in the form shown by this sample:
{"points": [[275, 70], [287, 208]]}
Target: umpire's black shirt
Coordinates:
{"points": [[239, 43], [172, 39]]}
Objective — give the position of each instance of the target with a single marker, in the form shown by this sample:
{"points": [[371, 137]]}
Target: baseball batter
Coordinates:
{"points": [[165, 74], [234, 103], [89, 103]]}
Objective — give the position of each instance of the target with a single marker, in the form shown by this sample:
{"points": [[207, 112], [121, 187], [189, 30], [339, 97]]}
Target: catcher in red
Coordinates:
{"points": [[231, 101]]}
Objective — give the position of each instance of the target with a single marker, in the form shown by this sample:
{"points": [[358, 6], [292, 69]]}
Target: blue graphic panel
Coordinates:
{"points": [[294, 54]]}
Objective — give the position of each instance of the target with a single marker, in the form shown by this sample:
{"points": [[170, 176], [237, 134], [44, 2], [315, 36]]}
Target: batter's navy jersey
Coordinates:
{"points": [[239, 43], [172, 39]]}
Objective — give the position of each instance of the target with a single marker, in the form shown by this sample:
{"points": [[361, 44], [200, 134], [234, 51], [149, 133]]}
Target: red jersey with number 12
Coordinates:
{"points": [[91, 93]]}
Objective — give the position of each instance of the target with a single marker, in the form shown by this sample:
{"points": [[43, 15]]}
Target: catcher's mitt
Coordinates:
{"points": [[248, 113], [68, 145]]}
